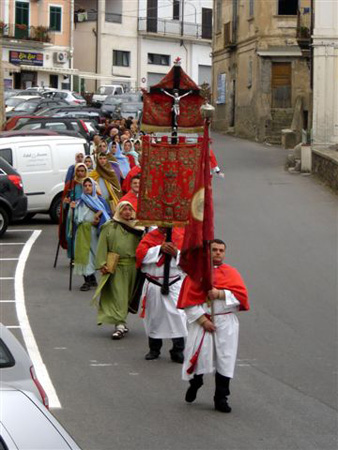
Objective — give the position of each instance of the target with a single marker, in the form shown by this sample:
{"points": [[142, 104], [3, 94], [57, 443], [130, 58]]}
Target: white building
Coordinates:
{"points": [[136, 42], [325, 80]]}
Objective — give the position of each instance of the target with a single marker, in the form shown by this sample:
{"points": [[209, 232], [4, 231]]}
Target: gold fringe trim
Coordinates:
{"points": [[156, 128]]}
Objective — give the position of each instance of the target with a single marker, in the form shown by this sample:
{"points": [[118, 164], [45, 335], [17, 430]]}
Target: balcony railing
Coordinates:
{"points": [[113, 17], [85, 16], [19, 31], [173, 28]]}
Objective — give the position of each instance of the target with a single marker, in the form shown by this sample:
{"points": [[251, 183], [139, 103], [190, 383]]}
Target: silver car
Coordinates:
{"points": [[16, 368], [25, 424]]}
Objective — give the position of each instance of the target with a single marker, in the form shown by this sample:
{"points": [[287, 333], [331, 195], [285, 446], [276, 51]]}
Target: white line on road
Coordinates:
{"points": [[12, 243], [6, 278], [13, 326], [7, 301], [27, 333], [14, 230], [9, 259]]}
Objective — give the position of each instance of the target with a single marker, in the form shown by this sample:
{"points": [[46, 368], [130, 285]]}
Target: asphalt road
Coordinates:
{"points": [[281, 232]]}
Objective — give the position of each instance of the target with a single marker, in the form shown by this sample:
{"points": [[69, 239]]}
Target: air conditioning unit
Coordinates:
{"points": [[60, 57]]}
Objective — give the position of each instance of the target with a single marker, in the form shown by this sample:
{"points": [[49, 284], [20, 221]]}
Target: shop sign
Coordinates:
{"points": [[32, 59]]}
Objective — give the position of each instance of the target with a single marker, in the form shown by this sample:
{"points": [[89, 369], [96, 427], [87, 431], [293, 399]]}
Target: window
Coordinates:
{"points": [[218, 16], [6, 154], [251, 8], [249, 73], [206, 23], [160, 60], [287, 7], [55, 14], [176, 9], [6, 358], [121, 58], [57, 126], [21, 20]]}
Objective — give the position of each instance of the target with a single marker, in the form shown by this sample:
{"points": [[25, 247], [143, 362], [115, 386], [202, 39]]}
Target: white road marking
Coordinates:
{"points": [[13, 326], [14, 230], [6, 278], [12, 243], [27, 333], [134, 373], [7, 301], [60, 348], [9, 259], [100, 364]]}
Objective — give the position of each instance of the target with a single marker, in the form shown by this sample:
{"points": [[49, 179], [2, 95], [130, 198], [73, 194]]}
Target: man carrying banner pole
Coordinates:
{"points": [[210, 293]]}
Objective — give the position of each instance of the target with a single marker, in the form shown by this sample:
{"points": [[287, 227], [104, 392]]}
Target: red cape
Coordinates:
{"points": [[126, 182], [155, 238], [224, 277], [130, 197]]}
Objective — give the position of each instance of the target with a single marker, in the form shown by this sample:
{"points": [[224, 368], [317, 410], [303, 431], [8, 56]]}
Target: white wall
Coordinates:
{"points": [[325, 83]]}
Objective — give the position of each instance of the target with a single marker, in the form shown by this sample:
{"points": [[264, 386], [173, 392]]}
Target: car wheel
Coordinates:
{"points": [[3, 221], [55, 209]]}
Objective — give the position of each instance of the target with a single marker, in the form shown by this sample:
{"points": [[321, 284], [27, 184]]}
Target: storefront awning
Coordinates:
{"points": [[58, 70], [10, 67]]}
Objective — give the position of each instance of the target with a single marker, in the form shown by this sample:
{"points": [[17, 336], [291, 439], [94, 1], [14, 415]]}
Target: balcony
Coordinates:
{"points": [[113, 17], [173, 28], [24, 32], [85, 16], [304, 27]]}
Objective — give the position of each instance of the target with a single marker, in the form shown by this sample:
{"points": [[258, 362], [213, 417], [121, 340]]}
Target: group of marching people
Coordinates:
{"points": [[99, 229]]}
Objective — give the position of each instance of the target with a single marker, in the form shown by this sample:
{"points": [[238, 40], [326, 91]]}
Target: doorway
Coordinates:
{"points": [[152, 16], [281, 75]]}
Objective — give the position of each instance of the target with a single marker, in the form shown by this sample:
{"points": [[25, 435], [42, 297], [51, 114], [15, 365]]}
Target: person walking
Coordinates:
{"points": [[213, 328], [89, 215], [116, 258], [162, 319]]}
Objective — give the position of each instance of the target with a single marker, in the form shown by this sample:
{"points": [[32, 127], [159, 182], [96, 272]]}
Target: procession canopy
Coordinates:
{"points": [[158, 104]]}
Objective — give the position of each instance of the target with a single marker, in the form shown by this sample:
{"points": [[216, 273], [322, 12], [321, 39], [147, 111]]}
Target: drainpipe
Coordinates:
{"points": [[71, 43], [97, 42]]}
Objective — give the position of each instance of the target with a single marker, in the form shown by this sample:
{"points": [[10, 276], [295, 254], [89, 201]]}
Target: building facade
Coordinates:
{"points": [[325, 74], [37, 43], [260, 75], [135, 43]]}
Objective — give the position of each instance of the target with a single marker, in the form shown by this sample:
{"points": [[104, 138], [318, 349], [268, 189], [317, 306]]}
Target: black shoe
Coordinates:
{"points": [[222, 405], [92, 280], [85, 286], [177, 356], [195, 384], [152, 354]]}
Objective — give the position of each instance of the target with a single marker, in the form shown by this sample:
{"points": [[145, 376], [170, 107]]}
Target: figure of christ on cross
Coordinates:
{"points": [[176, 102]]}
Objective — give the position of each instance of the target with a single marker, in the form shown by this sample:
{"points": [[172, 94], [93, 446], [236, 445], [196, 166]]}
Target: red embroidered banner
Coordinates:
{"points": [[167, 181]]}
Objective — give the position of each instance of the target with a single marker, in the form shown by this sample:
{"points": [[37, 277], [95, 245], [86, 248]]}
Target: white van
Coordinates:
{"points": [[104, 91], [42, 162]]}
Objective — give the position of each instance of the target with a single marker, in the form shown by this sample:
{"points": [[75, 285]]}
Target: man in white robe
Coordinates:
{"points": [[213, 328], [162, 319]]}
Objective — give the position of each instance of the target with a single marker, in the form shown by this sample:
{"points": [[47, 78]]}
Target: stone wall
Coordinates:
{"points": [[325, 167]]}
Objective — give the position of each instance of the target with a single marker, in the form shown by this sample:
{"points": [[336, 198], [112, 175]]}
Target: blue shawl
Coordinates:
{"points": [[122, 161], [96, 203]]}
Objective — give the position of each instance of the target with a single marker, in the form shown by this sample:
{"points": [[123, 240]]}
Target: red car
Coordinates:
{"points": [[16, 120]]}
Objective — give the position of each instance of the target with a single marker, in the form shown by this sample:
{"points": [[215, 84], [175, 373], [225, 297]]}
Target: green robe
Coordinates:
{"points": [[116, 289]]}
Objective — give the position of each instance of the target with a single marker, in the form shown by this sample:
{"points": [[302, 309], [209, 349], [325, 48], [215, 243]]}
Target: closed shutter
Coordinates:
{"points": [[281, 85]]}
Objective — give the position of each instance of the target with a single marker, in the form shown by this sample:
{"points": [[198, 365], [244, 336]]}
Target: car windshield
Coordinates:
{"points": [[112, 101], [131, 107], [78, 96], [105, 90], [6, 358], [26, 106], [13, 101]]}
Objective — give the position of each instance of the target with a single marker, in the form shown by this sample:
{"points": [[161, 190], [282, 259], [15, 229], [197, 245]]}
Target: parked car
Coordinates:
{"points": [[16, 120], [12, 102], [80, 114], [8, 93], [42, 157], [110, 104], [107, 89], [26, 425], [73, 98], [33, 105], [13, 201], [16, 367], [133, 110], [59, 124]]}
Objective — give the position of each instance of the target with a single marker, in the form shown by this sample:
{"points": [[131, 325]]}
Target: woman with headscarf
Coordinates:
{"points": [[71, 192], [89, 215], [117, 242], [89, 162], [122, 161], [107, 180], [129, 152]]}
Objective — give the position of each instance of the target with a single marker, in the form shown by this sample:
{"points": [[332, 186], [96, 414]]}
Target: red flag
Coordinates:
{"points": [[195, 254]]}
